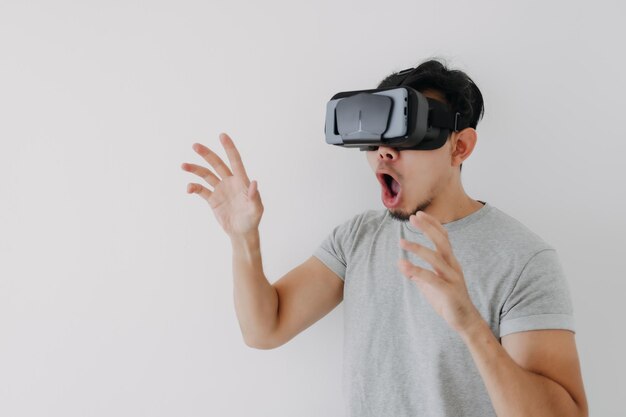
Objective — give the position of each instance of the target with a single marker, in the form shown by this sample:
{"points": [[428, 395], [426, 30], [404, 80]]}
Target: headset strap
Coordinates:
{"points": [[440, 116], [404, 74]]}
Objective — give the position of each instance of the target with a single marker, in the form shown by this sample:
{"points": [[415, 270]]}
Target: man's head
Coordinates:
{"points": [[426, 175]]}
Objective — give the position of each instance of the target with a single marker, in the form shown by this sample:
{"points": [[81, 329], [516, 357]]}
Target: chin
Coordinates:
{"points": [[399, 214]]}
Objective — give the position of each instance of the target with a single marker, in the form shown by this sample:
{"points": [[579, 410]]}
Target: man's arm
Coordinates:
{"points": [[304, 295], [533, 373], [256, 300]]}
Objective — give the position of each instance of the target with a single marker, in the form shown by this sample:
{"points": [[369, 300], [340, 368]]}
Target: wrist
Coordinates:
{"points": [[247, 244], [475, 327]]}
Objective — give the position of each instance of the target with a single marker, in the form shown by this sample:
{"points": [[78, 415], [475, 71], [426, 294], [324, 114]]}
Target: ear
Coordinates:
{"points": [[463, 143]]}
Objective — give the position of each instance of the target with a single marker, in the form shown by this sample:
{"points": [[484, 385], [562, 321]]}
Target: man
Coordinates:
{"points": [[451, 306]]}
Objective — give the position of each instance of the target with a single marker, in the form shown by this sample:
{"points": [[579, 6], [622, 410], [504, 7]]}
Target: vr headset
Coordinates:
{"points": [[398, 116]]}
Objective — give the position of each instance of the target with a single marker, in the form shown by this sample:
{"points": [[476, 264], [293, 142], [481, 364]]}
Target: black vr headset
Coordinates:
{"points": [[399, 117]]}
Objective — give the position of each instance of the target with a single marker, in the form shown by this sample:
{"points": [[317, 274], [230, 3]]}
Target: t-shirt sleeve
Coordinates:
{"points": [[540, 298], [334, 250]]}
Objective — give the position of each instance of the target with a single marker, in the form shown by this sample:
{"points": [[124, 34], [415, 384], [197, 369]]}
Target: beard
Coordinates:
{"points": [[401, 215]]}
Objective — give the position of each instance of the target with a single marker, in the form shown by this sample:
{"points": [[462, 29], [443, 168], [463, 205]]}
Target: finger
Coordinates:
{"points": [[436, 233], [420, 275], [202, 172], [440, 265], [213, 159], [233, 156], [253, 189], [194, 188]]}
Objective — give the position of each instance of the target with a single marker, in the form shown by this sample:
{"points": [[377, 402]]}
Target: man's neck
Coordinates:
{"points": [[450, 212]]}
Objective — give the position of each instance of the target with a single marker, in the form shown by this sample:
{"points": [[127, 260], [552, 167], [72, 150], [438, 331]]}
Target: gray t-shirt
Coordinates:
{"points": [[401, 359]]}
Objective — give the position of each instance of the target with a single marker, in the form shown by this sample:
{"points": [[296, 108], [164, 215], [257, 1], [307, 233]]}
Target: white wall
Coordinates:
{"points": [[115, 284]]}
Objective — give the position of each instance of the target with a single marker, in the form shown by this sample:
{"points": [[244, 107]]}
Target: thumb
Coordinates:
{"points": [[252, 189]]}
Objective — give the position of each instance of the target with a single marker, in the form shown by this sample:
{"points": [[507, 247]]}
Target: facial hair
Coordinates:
{"points": [[402, 216]]}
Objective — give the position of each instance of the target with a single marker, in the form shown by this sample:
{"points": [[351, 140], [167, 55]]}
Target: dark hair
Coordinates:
{"points": [[459, 90]]}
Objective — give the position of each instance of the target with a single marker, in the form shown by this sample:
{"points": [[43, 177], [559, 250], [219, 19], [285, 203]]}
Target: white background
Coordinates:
{"points": [[115, 284]]}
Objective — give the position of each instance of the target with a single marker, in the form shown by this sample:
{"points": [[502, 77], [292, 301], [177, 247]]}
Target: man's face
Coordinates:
{"points": [[422, 174]]}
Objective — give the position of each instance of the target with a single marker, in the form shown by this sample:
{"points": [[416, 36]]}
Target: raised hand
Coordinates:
{"points": [[235, 200]]}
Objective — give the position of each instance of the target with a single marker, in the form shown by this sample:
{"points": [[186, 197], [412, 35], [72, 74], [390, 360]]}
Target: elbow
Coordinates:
{"points": [[582, 406], [261, 345]]}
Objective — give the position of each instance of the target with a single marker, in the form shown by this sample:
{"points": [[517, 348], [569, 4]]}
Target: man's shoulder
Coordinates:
{"points": [[371, 218], [366, 216], [508, 232], [363, 222], [350, 224]]}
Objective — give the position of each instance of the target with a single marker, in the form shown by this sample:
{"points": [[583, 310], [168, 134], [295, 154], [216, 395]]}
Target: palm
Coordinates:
{"points": [[235, 212]]}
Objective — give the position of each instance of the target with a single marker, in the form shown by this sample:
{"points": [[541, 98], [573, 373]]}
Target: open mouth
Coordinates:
{"points": [[391, 189], [392, 184]]}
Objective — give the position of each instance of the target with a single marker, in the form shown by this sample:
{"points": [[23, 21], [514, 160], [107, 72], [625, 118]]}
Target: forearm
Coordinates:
{"points": [[514, 391], [256, 301]]}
